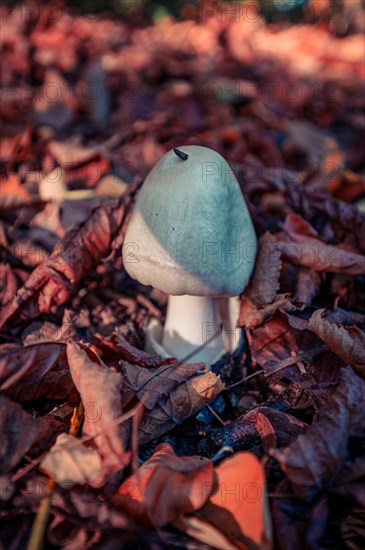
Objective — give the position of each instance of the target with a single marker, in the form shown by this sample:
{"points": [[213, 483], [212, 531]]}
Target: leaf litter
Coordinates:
{"points": [[289, 402]]}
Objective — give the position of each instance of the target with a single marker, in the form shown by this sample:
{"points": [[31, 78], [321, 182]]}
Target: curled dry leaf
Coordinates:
{"points": [[264, 283], [118, 347], [31, 372], [257, 317], [12, 193], [152, 386], [79, 251], [70, 154], [100, 389], [307, 287], [256, 304], [237, 514], [346, 342], [346, 218], [166, 486], [69, 462], [246, 431], [9, 283], [315, 458], [277, 341], [301, 245], [184, 401], [22, 433]]}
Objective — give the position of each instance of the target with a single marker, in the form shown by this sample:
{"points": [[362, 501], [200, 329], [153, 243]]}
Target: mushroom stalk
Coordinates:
{"points": [[190, 322]]}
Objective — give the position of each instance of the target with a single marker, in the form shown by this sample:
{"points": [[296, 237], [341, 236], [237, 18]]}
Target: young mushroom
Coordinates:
{"points": [[191, 236]]}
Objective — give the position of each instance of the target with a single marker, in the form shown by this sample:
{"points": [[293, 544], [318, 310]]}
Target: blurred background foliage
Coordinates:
{"points": [[344, 15]]}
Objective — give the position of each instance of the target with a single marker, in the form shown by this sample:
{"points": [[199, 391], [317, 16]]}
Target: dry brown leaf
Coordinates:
{"points": [[184, 401], [257, 317], [346, 218], [256, 303], [22, 433], [246, 430], [101, 393], [301, 245], [34, 371], [346, 342], [118, 347], [69, 462], [12, 192], [153, 385], [81, 249], [266, 431], [166, 486], [70, 154], [307, 287], [277, 342], [264, 283], [313, 460]]}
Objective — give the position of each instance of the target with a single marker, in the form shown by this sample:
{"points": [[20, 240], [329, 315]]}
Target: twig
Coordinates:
{"points": [[289, 361], [182, 361], [37, 534], [216, 415], [244, 379]]}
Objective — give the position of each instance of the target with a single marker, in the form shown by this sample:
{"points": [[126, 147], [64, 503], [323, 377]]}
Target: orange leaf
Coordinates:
{"points": [[12, 192], [166, 486], [237, 513]]}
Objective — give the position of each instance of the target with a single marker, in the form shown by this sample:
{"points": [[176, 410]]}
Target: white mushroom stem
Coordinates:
{"points": [[190, 322]]}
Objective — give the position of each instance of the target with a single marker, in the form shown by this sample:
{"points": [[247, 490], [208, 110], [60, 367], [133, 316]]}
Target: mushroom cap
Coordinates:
{"points": [[191, 231]]}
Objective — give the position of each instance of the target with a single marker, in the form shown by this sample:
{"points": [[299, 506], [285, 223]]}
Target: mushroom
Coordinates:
{"points": [[191, 236]]}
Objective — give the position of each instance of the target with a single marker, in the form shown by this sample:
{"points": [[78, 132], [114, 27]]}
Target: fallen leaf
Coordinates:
{"points": [[345, 218], [277, 341], [257, 300], [346, 342], [307, 287], [31, 372], [257, 317], [153, 385], [266, 431], [303, 247], [166, 486], [81, 249], [9, 283], [22, 433], [238, 509], [315, 458], [264, 283], [121, 349], [69, 462], [12, 192], [246, 431], [184, 401], [101, 393]]}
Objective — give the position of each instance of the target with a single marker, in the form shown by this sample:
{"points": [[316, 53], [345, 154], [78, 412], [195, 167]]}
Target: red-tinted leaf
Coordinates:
{"points": [[167, 486], [22, 433], [121, 349], [78, 252], [301, 246], [314, 459], [346, 342], [100, 389], [31, 372], [152, 386]]}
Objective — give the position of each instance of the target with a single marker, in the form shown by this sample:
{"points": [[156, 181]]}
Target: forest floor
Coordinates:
{"points": [[267, 449]]}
